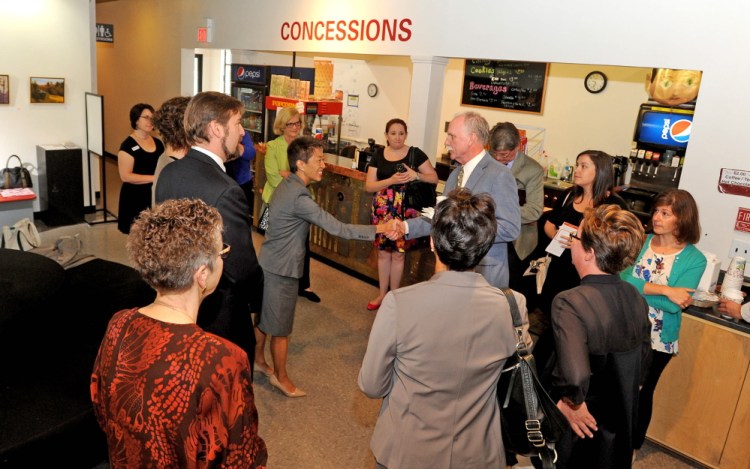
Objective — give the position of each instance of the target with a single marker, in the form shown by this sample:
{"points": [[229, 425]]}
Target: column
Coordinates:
{"points": [[428, 77]]}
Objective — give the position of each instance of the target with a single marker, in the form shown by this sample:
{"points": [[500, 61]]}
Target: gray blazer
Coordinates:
{"points": [[290, 213], [530, 178], [495, 179], [435, 354]]}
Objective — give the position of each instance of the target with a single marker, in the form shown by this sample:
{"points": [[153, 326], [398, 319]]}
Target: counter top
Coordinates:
{"points": [[551, 183], [712, 316], [343, 165]]}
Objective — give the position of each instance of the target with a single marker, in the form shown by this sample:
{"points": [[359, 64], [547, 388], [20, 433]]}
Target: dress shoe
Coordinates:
{"points": [[373, 306], [274, 381], [310, 295], [268, 371]]}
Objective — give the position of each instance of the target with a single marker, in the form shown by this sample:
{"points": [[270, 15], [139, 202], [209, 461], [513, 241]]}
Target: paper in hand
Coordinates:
{"points": [[563, 234]]}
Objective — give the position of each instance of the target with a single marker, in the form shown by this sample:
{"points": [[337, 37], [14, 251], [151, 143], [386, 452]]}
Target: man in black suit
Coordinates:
{"points": [[214, 129]]}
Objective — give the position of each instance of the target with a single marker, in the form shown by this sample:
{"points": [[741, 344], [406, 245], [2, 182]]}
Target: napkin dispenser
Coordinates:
{"points": [[711, 274]]}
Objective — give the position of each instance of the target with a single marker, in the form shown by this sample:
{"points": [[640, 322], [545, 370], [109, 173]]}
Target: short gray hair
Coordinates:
{"points": [[476, 124]]}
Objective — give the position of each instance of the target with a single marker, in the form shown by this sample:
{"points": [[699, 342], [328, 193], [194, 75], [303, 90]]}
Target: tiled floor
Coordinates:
{"points": [[331, 427]]}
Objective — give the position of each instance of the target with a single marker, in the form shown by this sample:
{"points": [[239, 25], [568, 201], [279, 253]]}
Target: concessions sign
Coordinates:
{"points": [[502, 84]]}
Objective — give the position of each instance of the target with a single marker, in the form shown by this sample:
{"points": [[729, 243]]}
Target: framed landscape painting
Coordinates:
{"points": [[4, 89], [47, 90]]}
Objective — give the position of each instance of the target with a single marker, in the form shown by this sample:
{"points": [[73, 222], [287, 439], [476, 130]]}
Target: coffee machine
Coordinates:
{"points": [[366, 154]]}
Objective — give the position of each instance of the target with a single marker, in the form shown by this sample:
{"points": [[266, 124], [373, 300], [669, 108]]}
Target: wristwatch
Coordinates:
{"points": [[418, 178]]}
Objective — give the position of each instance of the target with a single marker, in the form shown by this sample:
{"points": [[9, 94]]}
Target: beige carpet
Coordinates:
{"points": [[332, 426]]}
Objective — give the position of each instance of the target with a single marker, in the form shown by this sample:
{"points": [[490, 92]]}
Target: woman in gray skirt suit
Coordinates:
{"points": [[291, 211]]}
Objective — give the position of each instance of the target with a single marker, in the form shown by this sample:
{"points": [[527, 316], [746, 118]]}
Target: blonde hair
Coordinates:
{"points": [[283, 116]]}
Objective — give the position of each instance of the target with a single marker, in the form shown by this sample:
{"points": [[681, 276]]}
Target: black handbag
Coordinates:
{"points": [[17, 177], [419, 194], [530, 421]]}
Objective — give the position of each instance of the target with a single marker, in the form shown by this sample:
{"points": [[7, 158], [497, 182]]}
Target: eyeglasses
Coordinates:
{"points": [[224, 253], [294, 124], [148, 118]]}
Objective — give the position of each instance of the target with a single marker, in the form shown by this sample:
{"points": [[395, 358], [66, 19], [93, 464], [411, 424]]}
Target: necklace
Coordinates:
{"points": [[181, 311]]}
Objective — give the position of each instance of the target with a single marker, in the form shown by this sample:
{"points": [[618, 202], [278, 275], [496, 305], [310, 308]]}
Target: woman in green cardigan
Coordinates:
{"points": [[667, 271]]}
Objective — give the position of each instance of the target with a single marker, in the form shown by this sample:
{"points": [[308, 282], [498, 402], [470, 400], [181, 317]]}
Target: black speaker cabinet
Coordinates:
{"points": [[60, 184]]}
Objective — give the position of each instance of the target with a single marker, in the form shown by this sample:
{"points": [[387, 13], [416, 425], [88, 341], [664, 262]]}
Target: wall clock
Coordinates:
{"points": [[595, 82], [372, 90]]}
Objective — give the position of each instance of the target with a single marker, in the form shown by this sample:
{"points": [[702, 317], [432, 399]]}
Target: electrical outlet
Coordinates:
{"points": [[739, 248]]}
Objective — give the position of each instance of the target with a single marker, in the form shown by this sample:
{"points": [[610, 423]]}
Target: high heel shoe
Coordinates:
{"points": [[268, 371], [274, 381], [373, 306]]}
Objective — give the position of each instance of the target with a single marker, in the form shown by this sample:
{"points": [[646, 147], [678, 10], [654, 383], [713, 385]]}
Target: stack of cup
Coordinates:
{"points": [[731, 286]]}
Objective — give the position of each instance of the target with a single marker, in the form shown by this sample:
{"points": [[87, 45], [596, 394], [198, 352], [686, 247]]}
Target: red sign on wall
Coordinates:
{"points": [[743, 220]]}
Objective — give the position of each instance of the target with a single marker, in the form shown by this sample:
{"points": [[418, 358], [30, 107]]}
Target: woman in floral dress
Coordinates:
{"points": [[389, 185]]}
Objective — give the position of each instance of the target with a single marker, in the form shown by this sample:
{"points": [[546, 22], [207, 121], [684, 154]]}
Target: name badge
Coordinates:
{"points": [[135, 148]]}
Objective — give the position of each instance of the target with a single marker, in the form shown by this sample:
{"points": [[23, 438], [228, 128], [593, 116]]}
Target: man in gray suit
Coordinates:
{"points": [[505, 147], [479, 172], [213, 128]]}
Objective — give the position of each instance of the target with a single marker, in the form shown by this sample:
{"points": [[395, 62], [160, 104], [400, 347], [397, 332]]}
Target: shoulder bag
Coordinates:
{"points": [[15, 178], [419, 194], [530, 421], [22, 236]]}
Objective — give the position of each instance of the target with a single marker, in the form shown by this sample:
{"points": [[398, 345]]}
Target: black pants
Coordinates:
{"points": [[659, 361], [304, 282]]}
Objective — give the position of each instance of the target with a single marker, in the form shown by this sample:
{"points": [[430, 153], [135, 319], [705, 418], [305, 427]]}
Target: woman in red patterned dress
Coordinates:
{"points": [[165, 392]]}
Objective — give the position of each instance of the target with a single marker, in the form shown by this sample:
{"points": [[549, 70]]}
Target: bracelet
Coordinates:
{"points": [[417, 173]]}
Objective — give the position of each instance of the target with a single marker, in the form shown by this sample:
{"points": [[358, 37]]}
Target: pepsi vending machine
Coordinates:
{"points": [[249, 85], [661, 136]]}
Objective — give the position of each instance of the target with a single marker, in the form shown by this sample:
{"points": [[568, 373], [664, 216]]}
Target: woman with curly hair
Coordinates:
{"points": [[166, 392], [168, 120]]}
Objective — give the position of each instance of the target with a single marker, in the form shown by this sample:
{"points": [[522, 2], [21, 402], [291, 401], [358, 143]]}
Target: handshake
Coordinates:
{"points": [[393, 229]]}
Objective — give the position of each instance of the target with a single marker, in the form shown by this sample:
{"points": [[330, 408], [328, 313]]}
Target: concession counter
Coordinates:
{"points": [[702, 401]]}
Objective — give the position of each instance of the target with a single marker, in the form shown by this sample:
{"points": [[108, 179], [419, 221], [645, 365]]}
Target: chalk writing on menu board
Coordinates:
{"points": [[502, 84]]}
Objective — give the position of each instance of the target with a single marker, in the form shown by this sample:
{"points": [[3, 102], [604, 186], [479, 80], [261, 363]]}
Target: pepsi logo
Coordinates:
{"points": [[240, 72], [680, 130]]}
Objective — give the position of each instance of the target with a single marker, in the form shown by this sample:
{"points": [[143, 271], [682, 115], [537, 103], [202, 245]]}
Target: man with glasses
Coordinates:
{"points": [[214, 129], [505, 147]]}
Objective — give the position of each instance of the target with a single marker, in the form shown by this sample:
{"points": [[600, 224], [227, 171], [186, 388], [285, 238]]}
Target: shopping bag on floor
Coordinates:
{"points": [[22, 236]]}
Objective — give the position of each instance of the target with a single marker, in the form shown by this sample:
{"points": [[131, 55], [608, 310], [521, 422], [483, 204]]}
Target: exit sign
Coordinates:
{"points": [[202, 34], [743, 220]]}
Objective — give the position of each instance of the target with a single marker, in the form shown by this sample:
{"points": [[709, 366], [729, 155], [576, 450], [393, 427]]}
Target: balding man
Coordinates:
{"points": [[468, 134]]}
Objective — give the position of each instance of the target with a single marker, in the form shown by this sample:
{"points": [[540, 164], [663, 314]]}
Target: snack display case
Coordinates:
{"points": [[322, 119]]}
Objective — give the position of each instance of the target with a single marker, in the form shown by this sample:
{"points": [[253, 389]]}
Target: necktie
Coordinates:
{"points": [[460, 182]]}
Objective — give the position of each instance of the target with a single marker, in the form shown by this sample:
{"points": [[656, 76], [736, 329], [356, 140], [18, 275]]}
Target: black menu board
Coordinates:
{"points": [[503, 84]]}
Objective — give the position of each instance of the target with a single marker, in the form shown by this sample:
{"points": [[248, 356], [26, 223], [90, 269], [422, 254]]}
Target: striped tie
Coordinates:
{"points": [[460, 182]]}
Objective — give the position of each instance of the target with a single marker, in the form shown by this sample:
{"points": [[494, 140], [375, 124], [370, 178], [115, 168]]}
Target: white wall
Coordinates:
{"points": [[45, 38], [574, 119], [638, 33]]}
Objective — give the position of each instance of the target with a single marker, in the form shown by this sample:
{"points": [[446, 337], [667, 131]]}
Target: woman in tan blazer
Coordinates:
{"points": [[437, 348]]}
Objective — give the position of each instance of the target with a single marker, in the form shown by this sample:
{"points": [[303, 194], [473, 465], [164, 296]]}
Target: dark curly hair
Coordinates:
{"points": [[169, 121], [169, 242]]}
